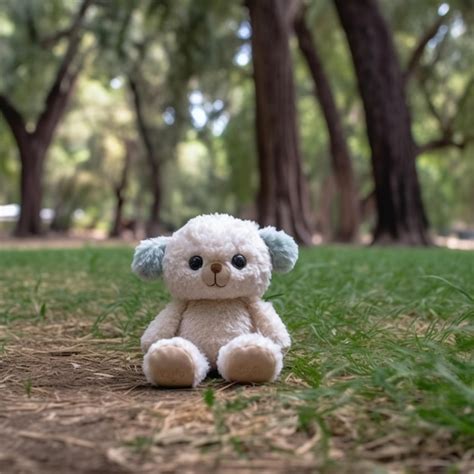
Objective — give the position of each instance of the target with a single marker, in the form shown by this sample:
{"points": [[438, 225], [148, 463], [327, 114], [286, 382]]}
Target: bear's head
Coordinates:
{"points": [[216, 257]]}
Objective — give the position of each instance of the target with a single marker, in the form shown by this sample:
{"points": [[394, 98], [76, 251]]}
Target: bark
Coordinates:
{"points": [[33, 146], [66, 195], [31, 189], [120, 190], [367, 206], [401, 217], [154, 222], [283, 198], [324, 219], [340, 157], [153, 160]]}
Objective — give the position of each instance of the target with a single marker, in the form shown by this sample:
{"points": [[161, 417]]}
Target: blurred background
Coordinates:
{"points": [[338, 121]]}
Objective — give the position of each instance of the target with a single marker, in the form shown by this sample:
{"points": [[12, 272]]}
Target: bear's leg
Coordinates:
{"points": [[175, 362], [250, 358]]}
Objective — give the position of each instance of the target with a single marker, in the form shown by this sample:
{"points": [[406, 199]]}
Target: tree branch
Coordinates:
{"points": [[141, 122], [432, 107], [417, 53], [51, 40], [446, 141], [447, 138], [293, 10], [14, 119], [61, 89], [129, 154]]}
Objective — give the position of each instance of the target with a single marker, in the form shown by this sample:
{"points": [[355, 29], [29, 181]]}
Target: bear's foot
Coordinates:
{"points": [[174, 362], [251, 358]]}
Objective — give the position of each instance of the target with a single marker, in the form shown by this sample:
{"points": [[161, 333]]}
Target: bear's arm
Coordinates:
{"points": [[268, 323], [165, 325]]}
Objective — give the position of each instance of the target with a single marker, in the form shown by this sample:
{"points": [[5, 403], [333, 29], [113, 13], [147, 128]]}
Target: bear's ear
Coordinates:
{"points": [[282, 247], [148, 258]]}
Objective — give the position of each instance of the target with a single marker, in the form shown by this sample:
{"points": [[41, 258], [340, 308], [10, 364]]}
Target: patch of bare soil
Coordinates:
{"points": [[71, 404]]}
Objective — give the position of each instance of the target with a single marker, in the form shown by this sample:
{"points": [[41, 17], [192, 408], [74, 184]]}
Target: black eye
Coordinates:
{"points": [[239, 261], [195, 263]]}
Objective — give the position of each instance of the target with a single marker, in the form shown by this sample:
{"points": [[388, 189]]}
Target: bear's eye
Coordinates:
{"points": [[195, 263], [239, 261]]}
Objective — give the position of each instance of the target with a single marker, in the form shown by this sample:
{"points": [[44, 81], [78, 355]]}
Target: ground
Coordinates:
{"points": [[380, 377]]}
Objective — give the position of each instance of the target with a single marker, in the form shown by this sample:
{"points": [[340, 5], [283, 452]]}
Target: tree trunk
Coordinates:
{"points": [[401, 217], [31, 189], [120, 189], [117, 225], [283, 198], [348, 224], [34, 146], [152, 227], [324, 219], [154, 221]]}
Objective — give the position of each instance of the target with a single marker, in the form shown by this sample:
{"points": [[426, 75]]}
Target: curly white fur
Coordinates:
{"points": [[211, 318], [217, 238], [165, 325]]}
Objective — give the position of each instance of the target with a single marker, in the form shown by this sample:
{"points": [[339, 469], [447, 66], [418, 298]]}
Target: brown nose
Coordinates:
{"points": [[216, 268]]}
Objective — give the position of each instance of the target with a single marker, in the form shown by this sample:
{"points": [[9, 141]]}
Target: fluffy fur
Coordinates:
{"points": [[212, 311], [210, 324], [249, 340], [148, 258], [283, 249], [165, 326], [201, 366], [217, 238]]}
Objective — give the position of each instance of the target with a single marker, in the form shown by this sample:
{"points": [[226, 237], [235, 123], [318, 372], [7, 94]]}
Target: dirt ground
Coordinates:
{"points": [[72, 403], [78, 241]]}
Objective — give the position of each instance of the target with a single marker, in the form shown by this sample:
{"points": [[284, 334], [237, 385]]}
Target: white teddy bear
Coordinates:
{"points": [[216, 268]]}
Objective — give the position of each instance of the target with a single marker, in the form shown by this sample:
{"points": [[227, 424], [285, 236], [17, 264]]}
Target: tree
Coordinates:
{"points": [[448, 135], [155, 154], [340, 157], [283, 198], [33, 144], [120, 188], [164, 50], [400, 213]]}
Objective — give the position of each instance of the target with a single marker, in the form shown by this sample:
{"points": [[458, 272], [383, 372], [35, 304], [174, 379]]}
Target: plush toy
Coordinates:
{"points": [[216, 268]]}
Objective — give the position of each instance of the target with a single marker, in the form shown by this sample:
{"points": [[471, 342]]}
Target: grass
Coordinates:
{"points": [[381, 368]]}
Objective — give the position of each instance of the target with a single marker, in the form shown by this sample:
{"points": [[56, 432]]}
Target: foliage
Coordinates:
{"points": [[192, 62]]}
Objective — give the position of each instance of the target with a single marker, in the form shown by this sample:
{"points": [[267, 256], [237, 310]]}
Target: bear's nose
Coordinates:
{"points": [[216, 268]]}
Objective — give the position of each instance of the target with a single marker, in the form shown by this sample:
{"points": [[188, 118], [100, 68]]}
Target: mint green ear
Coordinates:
{"points": [[282, 247], [148, 258]]}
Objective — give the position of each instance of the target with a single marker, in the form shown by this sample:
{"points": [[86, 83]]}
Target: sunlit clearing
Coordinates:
{"points": [[438, 37], [458, 28], [6, 26], [198, 115], [169, 115], [191, 157], [443, 9], [116, 83], [196, 97], [218, 104], [219, 125], [244, 32], [242, 58]]}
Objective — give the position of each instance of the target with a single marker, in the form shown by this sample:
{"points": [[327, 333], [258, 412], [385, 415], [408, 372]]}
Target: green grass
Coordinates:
{"points": [[381, 336]]}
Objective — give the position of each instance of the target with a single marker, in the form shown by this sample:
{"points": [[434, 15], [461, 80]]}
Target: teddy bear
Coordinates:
{"points": [[216, 268]]}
